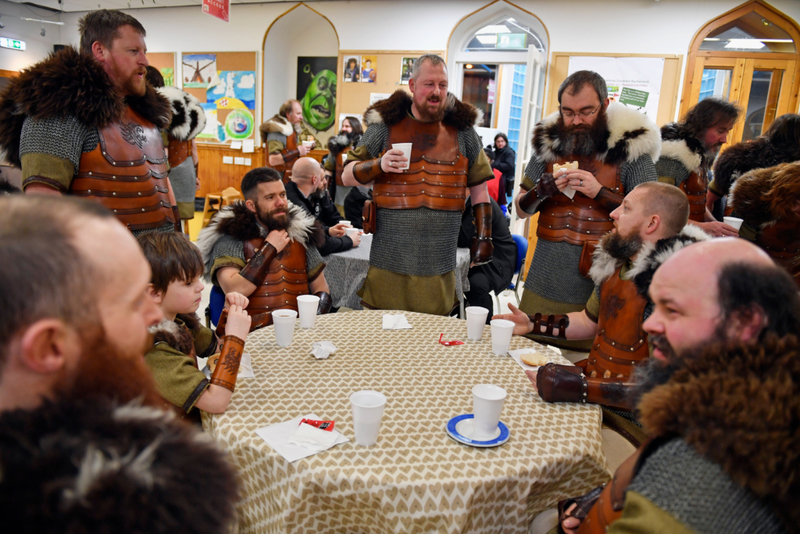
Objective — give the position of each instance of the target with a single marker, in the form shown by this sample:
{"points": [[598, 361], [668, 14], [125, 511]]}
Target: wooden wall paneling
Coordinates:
{"points": [[215, 175]]}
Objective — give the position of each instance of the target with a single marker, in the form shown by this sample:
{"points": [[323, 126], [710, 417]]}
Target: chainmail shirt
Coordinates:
{"points": [[672, 168], [63, 137], [182, 178]]}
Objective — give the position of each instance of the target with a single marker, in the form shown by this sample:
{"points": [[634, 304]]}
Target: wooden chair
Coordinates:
{"points": [[212, 206]]}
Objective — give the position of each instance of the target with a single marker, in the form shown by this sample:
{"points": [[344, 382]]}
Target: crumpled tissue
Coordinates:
{"points": [[322, 349]]}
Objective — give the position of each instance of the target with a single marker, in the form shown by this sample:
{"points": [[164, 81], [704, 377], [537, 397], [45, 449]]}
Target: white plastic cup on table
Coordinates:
{"points": [[308, 144], [502, 331], [406, 148], [307, 310], [344, 222], [284, 326], [367, 409], [351, 232], [487, 403], [476, 320], [736, 222]]}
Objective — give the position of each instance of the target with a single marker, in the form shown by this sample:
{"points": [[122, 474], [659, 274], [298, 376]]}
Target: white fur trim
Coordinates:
{"points": [[170, 327], [646, 259], [679, 150], [184, 131], [373, 117], [280, 125], [622, 119], [603, 265]]}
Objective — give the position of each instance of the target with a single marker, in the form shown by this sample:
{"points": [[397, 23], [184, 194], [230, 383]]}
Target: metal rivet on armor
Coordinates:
{"points": [[142, 209], [567, 225], [114, 193], [89, 191], [611, 357], [612, 343], [113, 177], [631, 349], [641, 341], [104, 153], [590, 218], [131, 163], [602, 331], [140, 193], [115, 211], [90, 173]]}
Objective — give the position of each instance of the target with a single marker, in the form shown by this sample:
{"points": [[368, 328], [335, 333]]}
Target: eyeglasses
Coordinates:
{"points": [[568, 113]]}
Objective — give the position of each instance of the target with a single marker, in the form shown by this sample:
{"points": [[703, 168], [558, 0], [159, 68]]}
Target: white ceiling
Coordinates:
{"points": [[89, 5]]}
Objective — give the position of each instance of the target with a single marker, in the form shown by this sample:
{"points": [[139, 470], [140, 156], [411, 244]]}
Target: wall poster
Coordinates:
{"points": [[316, 91]]}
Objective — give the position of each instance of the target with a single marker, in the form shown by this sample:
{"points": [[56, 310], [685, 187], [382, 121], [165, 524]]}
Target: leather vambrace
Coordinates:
{"points": [[544, 189], [259, 320], [367, 171], [325, 302], [482, 247], [290, 155], [608, 199], [543, 325], [257, 268], [227, 368], [566, 383]]}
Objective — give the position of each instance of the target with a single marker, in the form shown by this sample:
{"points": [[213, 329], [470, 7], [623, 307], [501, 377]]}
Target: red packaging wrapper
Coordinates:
{"points": [[449, 343], [322, 425]]}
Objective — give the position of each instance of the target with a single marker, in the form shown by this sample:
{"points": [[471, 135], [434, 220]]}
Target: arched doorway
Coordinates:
{"points": [[748, 55]]}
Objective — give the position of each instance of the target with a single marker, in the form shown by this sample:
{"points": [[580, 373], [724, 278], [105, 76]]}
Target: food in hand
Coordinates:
{"points": [[568, 165], [534, 359]]}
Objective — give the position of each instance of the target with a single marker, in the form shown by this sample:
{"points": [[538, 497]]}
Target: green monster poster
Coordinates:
{"points": [[316, 91]]}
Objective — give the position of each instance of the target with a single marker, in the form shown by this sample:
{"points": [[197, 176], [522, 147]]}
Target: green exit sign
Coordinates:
{"points": [[13, 44]]}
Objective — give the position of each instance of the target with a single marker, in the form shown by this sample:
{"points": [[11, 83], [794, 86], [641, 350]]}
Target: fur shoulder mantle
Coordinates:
{"points": [[763, 196], [743, 157], [188, 117], [392, 110], [175, 335], [678, 144], [631, 135], [69, 83], [337, 143], [276, 124], [738, 406]]}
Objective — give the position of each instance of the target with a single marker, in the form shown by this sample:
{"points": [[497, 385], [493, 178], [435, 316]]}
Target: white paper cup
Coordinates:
{"points": [[487, 403], [307, 310], [406, 148], [344, 157], [346, 223], [501, 336], [351, 232], [367, 408], [284, 326], [476, 320], [736, 222], [308, 144]]}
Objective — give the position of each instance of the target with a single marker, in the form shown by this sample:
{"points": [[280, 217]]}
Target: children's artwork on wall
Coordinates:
{"points": [[369, 69], [169, 76], [406, 67], [199, 69], [316, 91], [352, 68]]}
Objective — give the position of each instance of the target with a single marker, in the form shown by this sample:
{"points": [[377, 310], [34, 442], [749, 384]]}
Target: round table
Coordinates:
{"points": [[416, 478]]}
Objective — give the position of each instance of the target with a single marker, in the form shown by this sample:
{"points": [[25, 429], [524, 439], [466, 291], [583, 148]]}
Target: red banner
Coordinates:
{"points": [[217, 8]]}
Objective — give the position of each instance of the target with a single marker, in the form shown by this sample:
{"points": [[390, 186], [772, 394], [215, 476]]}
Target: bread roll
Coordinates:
{"points": [[534, 359]]}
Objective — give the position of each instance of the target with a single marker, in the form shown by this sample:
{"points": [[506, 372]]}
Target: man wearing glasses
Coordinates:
{"points": [[614, 148]]}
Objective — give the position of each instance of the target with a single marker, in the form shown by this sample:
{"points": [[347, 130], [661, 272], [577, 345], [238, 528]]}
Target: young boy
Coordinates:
{"points": [[180, 339]]}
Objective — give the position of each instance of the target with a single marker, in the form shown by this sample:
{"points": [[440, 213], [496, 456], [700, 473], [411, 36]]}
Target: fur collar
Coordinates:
{"points": [[68, 83], [240, 223], [631, 135], [743, 157], [678, 144], [177, 335], [392, 110], [763, 196], [738, 406], [188, 117], [276, 124], [338, 143]]}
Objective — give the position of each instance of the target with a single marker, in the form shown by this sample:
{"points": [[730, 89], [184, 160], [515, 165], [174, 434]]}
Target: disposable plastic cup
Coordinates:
{"points": [[346, 223], [476, 320], [367, 408], [736, 222], [284, 326], [501, 336], [307, 310], [406, 148], [487, 403], [351, 232]]}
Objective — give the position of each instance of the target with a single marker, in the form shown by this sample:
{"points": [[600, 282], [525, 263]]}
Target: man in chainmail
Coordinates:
{"points": [[281, 136], [718, 400], [614, 149], [418, 215], [86, 123]]}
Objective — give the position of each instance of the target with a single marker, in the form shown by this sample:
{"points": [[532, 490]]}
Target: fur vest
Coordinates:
{"points": [[762, 197], [738, 159], [338, 143], [630, 135], [276, 124], [738, 407], [188, 117], [240, 223], [69, 83], [175, 335], [678, 144], [394, 109]]}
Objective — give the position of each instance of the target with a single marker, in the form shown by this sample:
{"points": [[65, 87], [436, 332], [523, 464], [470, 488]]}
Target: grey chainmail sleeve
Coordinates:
{"points": [[637, 172], [671, 168], [375, 139], [469, 143], [313, 258], [699, 494], [276, 136], [225, 246], [533, 172], [554, 273], [62, 137]]}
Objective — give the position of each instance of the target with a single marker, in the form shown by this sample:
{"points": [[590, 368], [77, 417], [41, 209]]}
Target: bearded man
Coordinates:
{"points": [[416, 212], [614, 148], [280, 136], [338, 146], [86, 123], [718, 400], [83, 443], [688, 150], [266, 249]]}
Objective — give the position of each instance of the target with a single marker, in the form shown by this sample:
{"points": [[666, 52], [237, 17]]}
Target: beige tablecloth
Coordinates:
{"points": [[415, 479]]}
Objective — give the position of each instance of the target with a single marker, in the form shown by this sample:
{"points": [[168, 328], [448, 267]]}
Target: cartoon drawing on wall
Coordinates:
{"points": [[316, 91], [213, 130], [352, 70], [199, 69], [237, 87], [369, 69], [169, 76]]}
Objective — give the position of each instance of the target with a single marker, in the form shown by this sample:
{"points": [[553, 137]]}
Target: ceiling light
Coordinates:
{"points": [[748, 44], [765, 22], [42, 33], [468, 65], [487, 39]]}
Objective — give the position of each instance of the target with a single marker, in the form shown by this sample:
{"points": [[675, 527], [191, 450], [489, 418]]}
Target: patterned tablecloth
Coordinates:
{"points": [[345, 273], [415, 479]]}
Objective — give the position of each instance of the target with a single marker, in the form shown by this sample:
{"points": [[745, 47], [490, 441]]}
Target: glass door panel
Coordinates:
{"points": [[716, 82], [762, 104]]}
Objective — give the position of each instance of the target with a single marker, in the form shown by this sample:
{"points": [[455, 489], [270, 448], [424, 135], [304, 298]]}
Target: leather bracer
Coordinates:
{"points": [[259, 320], [258, 266], [608, 199], [544, 189], [367, 171], [482, 247], [543, 325], [290, 155], [227, 368], [325, 302], [561, 383]]}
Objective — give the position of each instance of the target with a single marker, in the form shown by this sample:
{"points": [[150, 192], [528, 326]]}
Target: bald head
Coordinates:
{"points": [[305, 169], [668, 202]]}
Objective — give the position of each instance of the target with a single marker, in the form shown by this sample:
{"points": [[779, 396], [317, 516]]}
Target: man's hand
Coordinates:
{"points": [[717, 229], [392, 160], [303, 150], [570, 524], [238, 322], [356, 238], [338, 231], [532, 377], [522, 325], [581, 180], [278, 239], [236, 299]]}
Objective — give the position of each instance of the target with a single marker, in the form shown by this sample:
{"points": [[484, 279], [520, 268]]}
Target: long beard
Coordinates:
{"points": [[622, 247], [583, 140], [271, 222]]}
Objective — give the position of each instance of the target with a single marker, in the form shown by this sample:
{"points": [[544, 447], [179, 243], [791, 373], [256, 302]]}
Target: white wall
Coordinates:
{"points": [[37, 46]]}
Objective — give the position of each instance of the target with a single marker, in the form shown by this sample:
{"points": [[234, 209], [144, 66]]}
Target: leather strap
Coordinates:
{"points": [[227, 368], [258, 266], [582, 504], [482, 247], [367, 171], [544, 325], [259, 320], [544, 189], [608, 199], [325, 302], [290, 155]]}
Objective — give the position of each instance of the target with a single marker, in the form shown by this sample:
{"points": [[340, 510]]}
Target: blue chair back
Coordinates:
{"points": [[522, 250], [216, 302]]}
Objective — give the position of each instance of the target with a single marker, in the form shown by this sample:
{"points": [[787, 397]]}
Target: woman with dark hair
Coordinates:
{"points": [[338, 145], [351, 72], [505, 160]]}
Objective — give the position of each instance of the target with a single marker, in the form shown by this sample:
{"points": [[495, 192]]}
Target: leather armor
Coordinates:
{"points": [[437, 173], [338, 166], [695, 187], [287, 278], [179, 151], [127, 173], [782, 242], [286, 167]]}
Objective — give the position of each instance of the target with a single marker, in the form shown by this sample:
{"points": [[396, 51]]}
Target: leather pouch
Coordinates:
{"points": [[587, 253], [369, 217]]}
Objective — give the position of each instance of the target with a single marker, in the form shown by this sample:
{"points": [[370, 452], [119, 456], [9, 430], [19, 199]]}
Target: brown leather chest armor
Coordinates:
{"points": [[437, 174], [286, 280], [339, 165], [286, 168], [579, 219], [127, 173], [179, 151], [782, 242], [620, 342], [695, 187]]}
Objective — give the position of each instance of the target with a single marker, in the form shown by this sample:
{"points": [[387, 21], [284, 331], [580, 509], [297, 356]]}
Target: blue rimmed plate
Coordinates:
{"points": [[460, 428]]}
